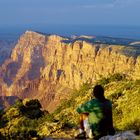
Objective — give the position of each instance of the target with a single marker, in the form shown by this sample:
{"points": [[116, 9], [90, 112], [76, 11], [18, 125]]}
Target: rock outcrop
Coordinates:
{"points": [[49, 67], [127, 135]]}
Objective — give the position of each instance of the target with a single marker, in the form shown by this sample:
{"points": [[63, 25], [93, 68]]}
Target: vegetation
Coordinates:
{"points": [[25, 119], [125, 97], [21, 120], [112, 78], [66, 112]]}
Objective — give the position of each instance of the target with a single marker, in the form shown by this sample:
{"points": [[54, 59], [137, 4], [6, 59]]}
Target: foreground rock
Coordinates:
{"points": [[127, 135]]}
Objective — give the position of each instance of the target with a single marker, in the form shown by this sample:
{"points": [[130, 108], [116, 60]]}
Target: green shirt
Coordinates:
{"points": [[100, 115]]}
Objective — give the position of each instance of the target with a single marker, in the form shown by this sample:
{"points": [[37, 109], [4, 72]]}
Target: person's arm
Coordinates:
{"points": [[81, 109]]}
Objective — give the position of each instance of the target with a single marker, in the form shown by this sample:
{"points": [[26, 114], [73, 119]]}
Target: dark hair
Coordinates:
{"points": [[98, 92]]}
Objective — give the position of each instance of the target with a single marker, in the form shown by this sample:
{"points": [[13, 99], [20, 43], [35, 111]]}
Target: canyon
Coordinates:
{"points": [[50, 67]]}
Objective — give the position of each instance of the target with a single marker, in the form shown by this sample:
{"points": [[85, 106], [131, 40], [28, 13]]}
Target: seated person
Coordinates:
{"points": [[99, 114]]}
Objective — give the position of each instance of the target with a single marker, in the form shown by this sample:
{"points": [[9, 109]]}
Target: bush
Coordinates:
{"points": [[112, 78], [115, 96], [104, 81], [33, 104], [117, 77], [31, 109]]}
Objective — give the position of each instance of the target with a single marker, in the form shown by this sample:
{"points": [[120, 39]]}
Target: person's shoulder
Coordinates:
{"points": [[94, 100], [91, 101], [108, 102]]}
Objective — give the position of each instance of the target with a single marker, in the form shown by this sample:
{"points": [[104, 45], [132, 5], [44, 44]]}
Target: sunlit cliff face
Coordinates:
{"points": [[49, 67]]}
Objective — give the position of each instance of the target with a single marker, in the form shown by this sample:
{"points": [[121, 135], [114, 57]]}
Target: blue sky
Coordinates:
{"points": [[80, 12]]}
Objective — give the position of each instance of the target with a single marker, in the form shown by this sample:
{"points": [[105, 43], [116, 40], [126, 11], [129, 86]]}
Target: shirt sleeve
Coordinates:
{"points": [[81, 109], [85, 108]]}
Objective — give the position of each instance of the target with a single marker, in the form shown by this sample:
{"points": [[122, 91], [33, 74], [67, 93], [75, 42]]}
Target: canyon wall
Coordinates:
{"points": [[49, 67]]}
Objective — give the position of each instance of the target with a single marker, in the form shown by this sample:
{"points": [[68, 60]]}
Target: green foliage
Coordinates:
{"points": [[117, 77], [104, 81], [31, 109], [112, 78], [1, 112], [1, 121], [116, 95], [46, 117], [33, 104], [126, 99], [21, 120]]}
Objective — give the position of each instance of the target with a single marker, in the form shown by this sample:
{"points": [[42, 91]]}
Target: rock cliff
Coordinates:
{"points": [[49, 67]]}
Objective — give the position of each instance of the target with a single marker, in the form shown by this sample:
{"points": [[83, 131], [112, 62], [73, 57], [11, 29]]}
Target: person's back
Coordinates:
{"points": [[100, 113], [106, 123]]}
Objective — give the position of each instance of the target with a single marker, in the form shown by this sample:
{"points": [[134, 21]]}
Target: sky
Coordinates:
{"points": [[118, 18], [69, 12]]}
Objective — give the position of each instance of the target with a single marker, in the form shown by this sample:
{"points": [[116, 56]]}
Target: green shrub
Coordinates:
{"points": [[116, 95], [112, 78], [117, 77], [104, 81]]}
